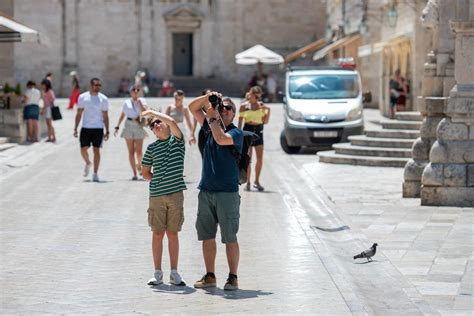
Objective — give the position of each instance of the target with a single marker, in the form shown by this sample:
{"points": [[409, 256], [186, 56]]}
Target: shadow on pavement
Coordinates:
{"points": [[173, 289], [236, 295], [99, 182]]}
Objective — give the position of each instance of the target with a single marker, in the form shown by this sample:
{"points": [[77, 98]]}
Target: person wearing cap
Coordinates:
{"points": [[133, 131], [218, 199], [163, 165]]}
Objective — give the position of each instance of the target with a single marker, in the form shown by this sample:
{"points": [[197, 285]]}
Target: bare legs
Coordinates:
{"points": [[258, 165], [209, 252], [51, 132], [135, 149], [173, 248], [32, 130], [85, 156]]}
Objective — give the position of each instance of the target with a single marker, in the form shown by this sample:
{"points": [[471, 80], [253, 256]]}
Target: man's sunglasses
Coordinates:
{"points": [[154, 124], [227, 107], [97, 85], [136, 90]]}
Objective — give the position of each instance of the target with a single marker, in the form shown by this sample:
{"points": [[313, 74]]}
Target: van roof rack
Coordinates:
{"points": [[293, 68]]}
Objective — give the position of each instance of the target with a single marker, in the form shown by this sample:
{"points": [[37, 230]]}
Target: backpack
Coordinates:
{"points": [[243, 158]]}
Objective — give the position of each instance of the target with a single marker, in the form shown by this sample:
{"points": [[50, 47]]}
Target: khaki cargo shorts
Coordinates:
{"points": [[166, 212]]}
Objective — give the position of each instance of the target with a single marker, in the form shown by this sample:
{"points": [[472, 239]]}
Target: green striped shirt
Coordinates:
{"points": [[166, 157]]}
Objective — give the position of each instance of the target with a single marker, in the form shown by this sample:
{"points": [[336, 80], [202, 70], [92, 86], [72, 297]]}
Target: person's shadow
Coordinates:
{"points": [[237, 294], [172, 289]]}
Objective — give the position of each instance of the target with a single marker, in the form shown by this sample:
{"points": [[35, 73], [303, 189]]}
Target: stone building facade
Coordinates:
{"points": [[392, 37], [191, 42]]}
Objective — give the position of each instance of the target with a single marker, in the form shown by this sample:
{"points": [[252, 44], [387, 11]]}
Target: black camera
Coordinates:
{"points": [[214, 100]]}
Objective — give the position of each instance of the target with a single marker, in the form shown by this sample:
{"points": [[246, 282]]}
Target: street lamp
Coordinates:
{"points": [[392, 16]]}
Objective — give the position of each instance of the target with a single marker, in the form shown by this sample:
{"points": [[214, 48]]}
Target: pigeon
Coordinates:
{"points": [[369, 253]]}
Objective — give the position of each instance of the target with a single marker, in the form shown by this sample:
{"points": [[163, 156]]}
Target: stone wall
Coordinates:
{"points": [[114, 38]]}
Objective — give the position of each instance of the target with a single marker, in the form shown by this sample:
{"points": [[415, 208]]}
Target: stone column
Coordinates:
{"points": [[438, 79], [69, 28], [448, 180]]}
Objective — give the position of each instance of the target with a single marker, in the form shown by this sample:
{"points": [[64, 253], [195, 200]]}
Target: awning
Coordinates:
{"points": [[13, 31], [335, 45], [377, 47], [304, 50], [258, 54]]}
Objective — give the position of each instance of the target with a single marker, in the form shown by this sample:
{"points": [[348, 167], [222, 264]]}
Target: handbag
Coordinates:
{"points": [[56, 113]]}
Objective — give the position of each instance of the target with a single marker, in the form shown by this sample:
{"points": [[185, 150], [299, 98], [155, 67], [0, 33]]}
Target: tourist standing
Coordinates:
{"points": [[31, 111], [163, 165], [219, 199], [253, 115], [133, 131], [180, 114], [48, 103], [94, 106]]}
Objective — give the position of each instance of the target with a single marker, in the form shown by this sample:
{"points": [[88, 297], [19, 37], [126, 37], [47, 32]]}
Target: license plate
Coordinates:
{"points": [[324, 134]]}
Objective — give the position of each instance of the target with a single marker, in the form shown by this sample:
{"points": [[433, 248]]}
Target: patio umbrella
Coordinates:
{"points": [[258, 54], [13, 31]]}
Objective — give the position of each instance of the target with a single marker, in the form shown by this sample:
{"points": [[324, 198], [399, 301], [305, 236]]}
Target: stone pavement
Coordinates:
{"points": [[70, 246]]}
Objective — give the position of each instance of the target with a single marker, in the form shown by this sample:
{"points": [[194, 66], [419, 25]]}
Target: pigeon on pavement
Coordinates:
{"points": [[369, 253]]}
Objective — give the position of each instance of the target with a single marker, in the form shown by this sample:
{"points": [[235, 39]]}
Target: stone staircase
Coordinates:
{"points": [[5, 144], [389, 146]]}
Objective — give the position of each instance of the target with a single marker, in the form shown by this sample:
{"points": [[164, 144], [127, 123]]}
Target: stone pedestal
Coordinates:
{"points": [[448, 180]]}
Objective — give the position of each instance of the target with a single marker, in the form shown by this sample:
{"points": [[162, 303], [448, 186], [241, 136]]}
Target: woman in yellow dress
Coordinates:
{"points": [[253, 115]]}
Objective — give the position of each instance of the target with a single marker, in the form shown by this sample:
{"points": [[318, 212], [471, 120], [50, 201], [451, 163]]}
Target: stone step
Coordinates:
{"points": [[332, 157], [363, 140], [348, 149], [394, 124], [6, 146], [393, 133], [409, 116], [4, 140]]}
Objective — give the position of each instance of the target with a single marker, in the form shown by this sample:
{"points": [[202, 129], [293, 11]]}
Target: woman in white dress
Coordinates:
{"points": [[181, 115], [133, 132]]}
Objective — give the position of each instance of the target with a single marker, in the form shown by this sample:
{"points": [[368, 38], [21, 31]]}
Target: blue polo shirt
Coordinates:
{"points": [[220, 172]]}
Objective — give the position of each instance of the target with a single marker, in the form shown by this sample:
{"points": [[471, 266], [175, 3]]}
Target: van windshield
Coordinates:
{"points": [[323, 86]]}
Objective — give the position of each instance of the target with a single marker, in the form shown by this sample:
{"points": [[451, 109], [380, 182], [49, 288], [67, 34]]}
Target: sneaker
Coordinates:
{"points": [[258, 187], [95, 177], [247, 187], [87, 169], [208, 280], [176, 279], [232, 284], [157, 278]]}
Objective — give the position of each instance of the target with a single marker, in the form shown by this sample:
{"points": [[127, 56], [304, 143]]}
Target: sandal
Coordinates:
{"points": [[258, 187], [247, 187]]}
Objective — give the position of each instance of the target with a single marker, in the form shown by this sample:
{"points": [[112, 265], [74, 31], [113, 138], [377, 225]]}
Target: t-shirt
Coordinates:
{"points": [[94, 106], [48, 98], [33, 95], [220, 172], [167, 159], [132, 108]]}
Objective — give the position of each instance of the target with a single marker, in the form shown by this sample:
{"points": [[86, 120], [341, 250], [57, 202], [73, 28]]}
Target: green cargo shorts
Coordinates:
{"points": [[218, 208]]}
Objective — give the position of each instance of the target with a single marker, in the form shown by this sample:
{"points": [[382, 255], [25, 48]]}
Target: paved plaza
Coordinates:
{"points": [[71, 246]]}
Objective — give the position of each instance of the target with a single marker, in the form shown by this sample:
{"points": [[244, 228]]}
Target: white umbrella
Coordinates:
{"points": [[258, 54], [12, 31]]}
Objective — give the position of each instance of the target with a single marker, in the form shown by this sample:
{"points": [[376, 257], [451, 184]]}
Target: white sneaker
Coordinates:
{"points": [[176, 279], [95, 177], [87, 169], [157, 278]]}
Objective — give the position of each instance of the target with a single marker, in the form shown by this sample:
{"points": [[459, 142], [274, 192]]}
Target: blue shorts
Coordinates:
{"points": [[31, 112]]}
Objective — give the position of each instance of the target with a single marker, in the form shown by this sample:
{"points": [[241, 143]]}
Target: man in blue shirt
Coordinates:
{"points": [[219, 199]]}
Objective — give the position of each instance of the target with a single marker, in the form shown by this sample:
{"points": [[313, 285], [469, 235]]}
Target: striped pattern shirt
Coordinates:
{"points": [[166, 157]]}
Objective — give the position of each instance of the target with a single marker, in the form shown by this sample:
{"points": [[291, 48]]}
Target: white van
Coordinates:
{"points": [[323, 106]]}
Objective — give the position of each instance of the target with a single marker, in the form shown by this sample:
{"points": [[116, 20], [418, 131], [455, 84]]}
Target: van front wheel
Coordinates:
{"points": [[287, 148]]}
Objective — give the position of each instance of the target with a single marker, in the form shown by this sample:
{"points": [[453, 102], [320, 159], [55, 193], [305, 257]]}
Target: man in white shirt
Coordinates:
{"points": [[94, 105]]}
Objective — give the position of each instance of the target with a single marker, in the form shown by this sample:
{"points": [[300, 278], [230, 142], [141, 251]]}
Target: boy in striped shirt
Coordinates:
{"points": [[163, 165]]}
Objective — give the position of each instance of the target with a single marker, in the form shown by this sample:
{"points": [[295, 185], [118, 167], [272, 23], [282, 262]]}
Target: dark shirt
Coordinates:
{"points": [[220, 172]]}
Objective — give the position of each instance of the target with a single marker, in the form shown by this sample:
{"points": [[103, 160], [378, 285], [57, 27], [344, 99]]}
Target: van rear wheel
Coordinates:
{"points": [[287, 148]]}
